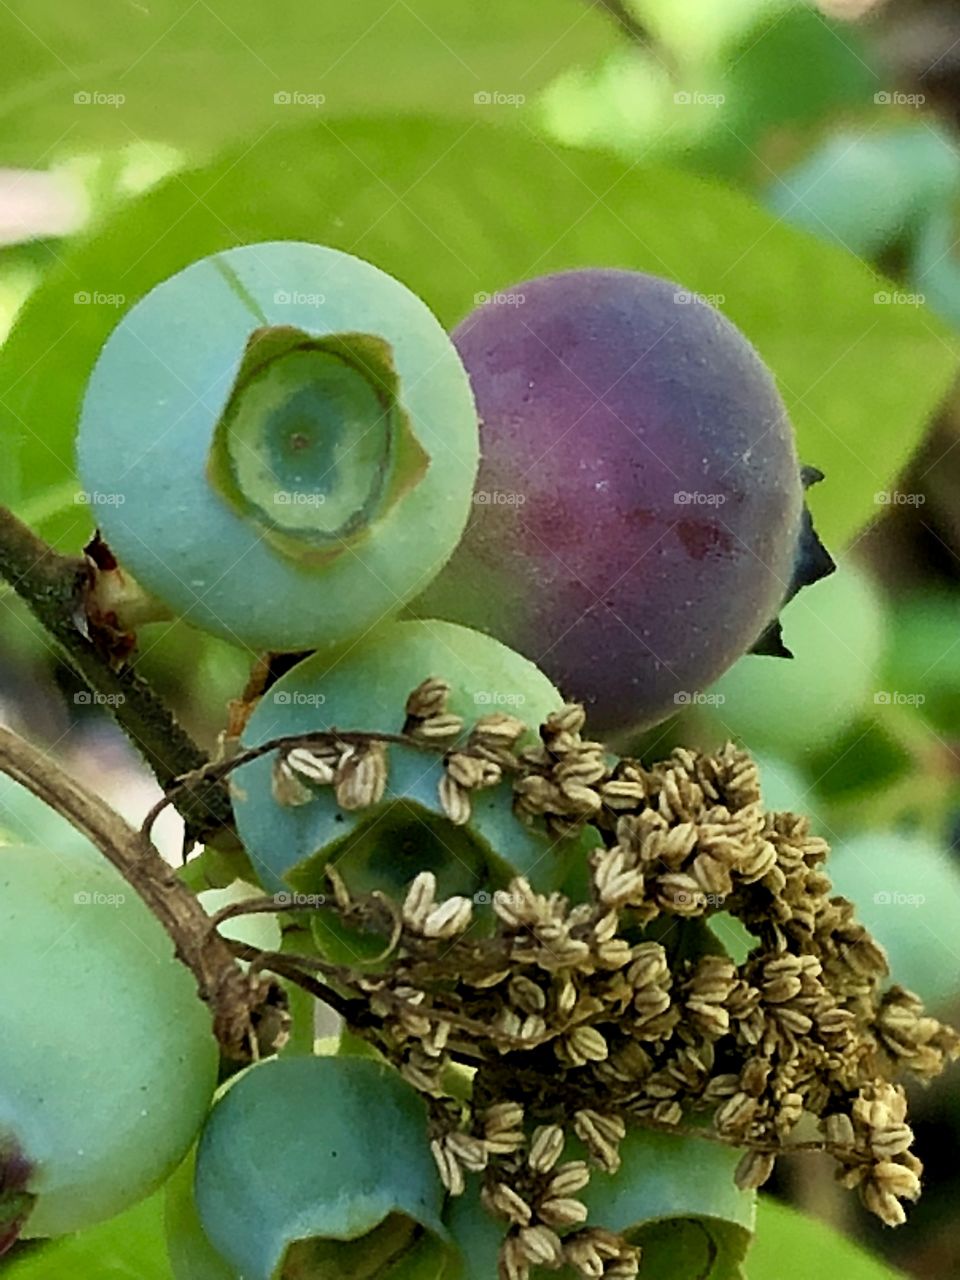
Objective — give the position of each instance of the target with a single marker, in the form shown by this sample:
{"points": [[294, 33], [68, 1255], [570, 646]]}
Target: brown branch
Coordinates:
{"points": [[54, 587], [235, 1000], [354, 1011]]}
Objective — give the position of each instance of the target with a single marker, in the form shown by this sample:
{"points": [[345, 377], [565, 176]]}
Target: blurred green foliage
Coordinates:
{"points": [[715, 83], [791, 1246], [198, 78]]}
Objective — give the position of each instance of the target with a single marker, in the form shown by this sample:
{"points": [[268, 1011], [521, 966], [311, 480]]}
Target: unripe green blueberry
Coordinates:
{"points": [[25, 819], [108, 1063], [406, 831], [867, 191], [665, 1180], [836, 633], [382, 1254], [933, 274], [325, 1163], [280, 443], [906, 889]]}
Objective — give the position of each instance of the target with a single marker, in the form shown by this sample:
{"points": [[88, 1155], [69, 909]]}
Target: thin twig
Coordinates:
{"points": [[291, 968], [54, 585], [234, 1000], [216, 771], [252, 907]]}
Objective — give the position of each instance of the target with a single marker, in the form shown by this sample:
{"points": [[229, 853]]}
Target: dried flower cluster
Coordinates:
{"points": [[581, 1017]]}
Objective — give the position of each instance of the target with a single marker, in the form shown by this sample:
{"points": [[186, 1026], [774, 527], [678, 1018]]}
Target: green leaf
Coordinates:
{"points": [[443, 210], [790, 1246], [199, 76], [921, 666], [131, 1245], [702, 29], [862, 761], [794, 68]]}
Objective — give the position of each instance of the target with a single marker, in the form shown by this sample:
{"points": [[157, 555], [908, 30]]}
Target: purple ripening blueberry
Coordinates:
{"points": [[639, 514]]}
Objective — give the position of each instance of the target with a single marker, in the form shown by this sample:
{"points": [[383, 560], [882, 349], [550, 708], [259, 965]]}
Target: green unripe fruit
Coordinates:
{"points": [[108, 1063], [906, 889], [406, 831], [865, 192], [836, 634], [665, 1181], [320, 1169], [25, 819], [381, 1254], [280, 443], [933, 271]]}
